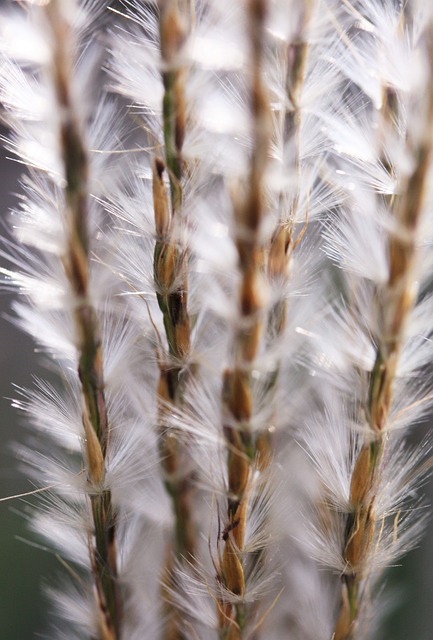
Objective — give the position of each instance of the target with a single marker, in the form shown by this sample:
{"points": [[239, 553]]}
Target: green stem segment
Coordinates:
{"points": [[173, 134], [171, 279], [171, 271], [90, 366]]}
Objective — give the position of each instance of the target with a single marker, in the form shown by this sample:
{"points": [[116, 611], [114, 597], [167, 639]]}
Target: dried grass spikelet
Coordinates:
{"points": [[249, 210], [396, 300]]}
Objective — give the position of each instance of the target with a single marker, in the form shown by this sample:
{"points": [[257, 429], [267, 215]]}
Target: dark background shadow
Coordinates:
{"points": [[23, 610]]}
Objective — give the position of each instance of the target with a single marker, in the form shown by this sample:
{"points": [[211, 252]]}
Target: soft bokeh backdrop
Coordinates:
{"points": [[23, 611]]}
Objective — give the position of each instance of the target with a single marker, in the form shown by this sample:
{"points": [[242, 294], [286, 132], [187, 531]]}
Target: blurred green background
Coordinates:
{"points": [[23, 612]]}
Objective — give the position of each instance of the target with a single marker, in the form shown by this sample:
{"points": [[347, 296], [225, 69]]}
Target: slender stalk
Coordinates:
{"points": [[396, 300], [237, 388], [279, 253], [283, 241], [90, 361], [171, 278], [171, 270]]}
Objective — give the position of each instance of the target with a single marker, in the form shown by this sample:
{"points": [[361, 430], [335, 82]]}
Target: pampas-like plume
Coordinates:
{"points": [[222, 244], [56, 26]]}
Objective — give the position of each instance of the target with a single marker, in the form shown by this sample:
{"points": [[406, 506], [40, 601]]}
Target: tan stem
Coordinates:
{"points": [[90, 365], [237, 388], [397, 299]]}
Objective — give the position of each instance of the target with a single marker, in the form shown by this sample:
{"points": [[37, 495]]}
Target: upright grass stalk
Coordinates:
{"points": [[169, 22], [237, 391], [54, 22], [284, 241], [279, 253], [396, 299], [171, 269], [396, 303], [90, 359], [171, 279]]}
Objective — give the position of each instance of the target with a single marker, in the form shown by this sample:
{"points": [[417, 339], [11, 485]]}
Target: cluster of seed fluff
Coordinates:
{"points": [[222, 245], [379, 239]]}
